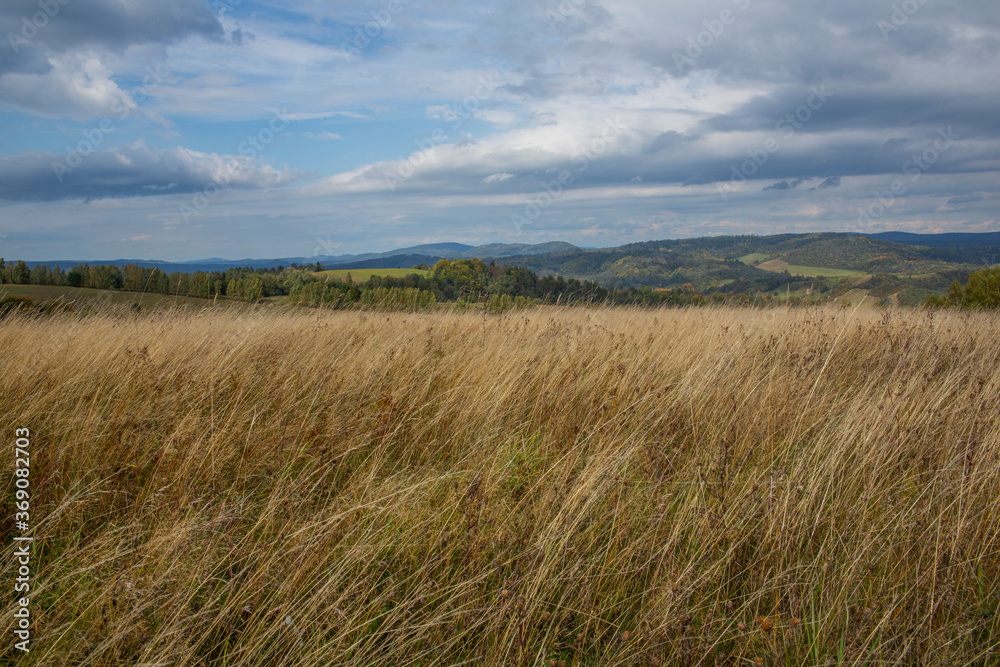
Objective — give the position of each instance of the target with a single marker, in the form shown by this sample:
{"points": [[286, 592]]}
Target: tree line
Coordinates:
{"points": [[242, 284], [981, 291], [470, 283], [465, 281]]}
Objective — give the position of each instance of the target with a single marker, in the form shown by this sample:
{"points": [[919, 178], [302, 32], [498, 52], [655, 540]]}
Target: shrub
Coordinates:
{"points": [[15, 303], [396, 298]]}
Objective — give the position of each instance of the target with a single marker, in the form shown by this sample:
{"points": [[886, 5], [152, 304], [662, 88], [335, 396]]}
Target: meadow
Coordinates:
{"points": [[361, 275], [83, 297], [778, 265], [555, 486]]}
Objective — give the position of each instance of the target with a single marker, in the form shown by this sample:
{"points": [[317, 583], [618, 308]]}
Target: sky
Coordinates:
{"points": [[186, 129]]}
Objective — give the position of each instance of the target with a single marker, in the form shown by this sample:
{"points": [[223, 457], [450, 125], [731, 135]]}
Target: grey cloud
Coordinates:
{"points": [[966, 199], [688, 163], [785, 185], [52, 61], [811, 40], [859, 108], [130, 171], [662, 141], [107, 24], [894, 144]]}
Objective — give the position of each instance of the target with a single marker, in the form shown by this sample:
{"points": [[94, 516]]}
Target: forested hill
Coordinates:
{"points": [[723, 260]]}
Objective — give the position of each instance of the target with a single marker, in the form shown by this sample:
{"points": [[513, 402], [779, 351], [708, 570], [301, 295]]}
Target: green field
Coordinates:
{"points": [[85, 297], [753, 258], [779, 265], [361, 275], [822, 272]]}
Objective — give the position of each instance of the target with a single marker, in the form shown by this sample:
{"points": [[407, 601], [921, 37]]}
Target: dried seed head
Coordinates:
{"points": [[765, 623], [741, 626], [795, 622]]}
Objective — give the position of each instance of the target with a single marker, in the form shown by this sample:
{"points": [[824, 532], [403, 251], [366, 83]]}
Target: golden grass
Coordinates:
{"points": [[552, 487]]}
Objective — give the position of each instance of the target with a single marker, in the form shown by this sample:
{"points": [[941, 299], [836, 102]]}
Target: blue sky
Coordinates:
{"points": [[187, 129]]}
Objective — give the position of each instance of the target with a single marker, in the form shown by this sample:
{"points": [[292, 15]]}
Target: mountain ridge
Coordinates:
{"points": [[428, 251], [727, 263]]}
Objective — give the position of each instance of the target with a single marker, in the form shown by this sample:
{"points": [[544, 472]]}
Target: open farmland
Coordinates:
{"points": [[87, 297], [778, 265], [553, 486], [361, 275]]}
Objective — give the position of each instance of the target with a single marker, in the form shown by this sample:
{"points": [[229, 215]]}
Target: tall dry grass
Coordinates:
{"points": [[563, 486]]}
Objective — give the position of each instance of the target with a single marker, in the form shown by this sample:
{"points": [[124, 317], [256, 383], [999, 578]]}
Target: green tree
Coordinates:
{"points": [[22, 274], [75, 277], [982, 290], [42, 275]]}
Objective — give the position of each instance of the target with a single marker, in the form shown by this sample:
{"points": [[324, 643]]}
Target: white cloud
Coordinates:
{"points": [[76, 86], [496, 117], [325, 134], [317, 115], [497, 178], [438, 111]]}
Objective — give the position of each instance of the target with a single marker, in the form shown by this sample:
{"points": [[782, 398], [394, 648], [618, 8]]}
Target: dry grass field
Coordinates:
{"points": [[552, 487]]}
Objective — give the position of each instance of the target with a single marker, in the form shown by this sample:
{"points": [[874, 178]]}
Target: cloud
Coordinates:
{"points": [[438, 111], [58, 67], [324, 135], [496, 116], [497, 178], [72, 87], [785, 185], [100, 24], [851, 105], [669, 139], [561, 71], [317, 115], [966, 199], [135, 170]]}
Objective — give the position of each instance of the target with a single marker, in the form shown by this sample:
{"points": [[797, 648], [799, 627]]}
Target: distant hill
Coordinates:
{"points": [[818, 265], [433, 249], [888, 263], [947, 240], [393, 262], [428, 251], [208, 265], [494, 250]]}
